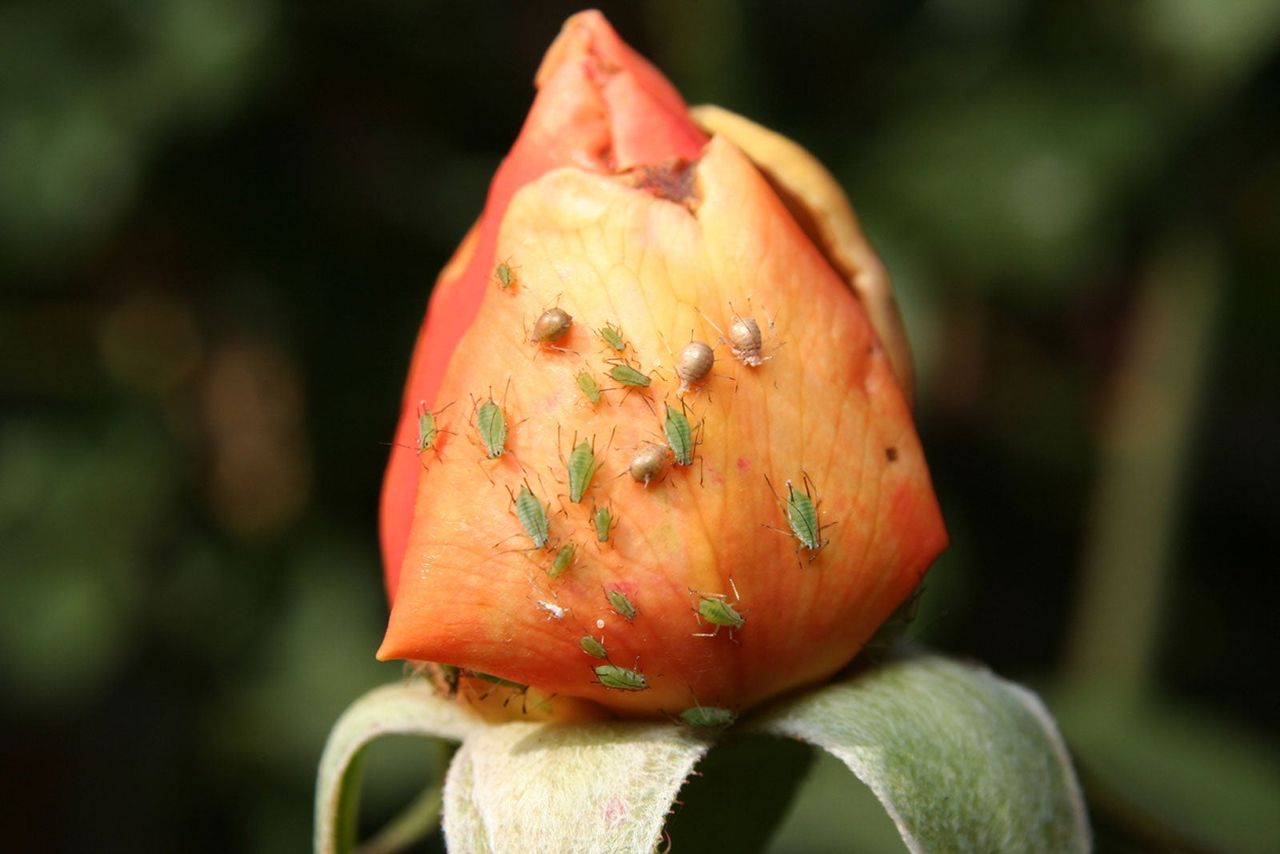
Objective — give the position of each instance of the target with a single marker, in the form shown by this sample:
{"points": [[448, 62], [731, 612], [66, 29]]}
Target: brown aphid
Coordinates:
{"points": [[746, 341], [649, 463], [695, 363], [552, 325]]}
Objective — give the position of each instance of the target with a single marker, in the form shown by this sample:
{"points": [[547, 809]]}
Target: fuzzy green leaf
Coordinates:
{"points": [[406, 708], [571, 787], [961, 759]]}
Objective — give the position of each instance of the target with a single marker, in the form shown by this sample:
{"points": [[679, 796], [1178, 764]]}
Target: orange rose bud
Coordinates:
{"points": [[613, 516]]}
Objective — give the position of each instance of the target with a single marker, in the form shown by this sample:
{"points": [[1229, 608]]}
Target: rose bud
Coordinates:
{"points": [[783, 507]]}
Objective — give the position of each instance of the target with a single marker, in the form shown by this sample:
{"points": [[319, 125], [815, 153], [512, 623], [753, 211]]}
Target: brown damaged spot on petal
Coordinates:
{"points": [[674, 180]]}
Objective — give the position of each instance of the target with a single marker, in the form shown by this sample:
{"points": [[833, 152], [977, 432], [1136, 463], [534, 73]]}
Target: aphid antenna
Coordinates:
{"points": [[721, 596], [416, 452], [771, 319], [713, 325]]}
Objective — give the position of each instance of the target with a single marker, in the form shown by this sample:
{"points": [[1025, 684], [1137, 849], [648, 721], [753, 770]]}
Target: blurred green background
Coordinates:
{"points": [[219, 223]]}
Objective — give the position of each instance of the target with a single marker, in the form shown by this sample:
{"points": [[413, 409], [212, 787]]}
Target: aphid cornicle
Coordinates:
{"points": [[621, 604], [708, 717], [532, 516], [679, 435], [593, 647], [602, 519], [551, 326], [582, 467], [621, 678], [492, 426], [649, 463], [693, 365], [563, 560], [588, 386], [612, 336]]}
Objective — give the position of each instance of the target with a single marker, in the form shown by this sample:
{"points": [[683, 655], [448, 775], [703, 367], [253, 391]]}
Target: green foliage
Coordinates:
{"points": [[948, 749]]}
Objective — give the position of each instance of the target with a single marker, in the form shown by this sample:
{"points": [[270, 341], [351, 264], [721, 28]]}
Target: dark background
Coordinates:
{"points": [[219, 223]]}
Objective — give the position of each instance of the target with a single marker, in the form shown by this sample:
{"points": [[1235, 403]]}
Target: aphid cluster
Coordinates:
{"points": [[693, 367]]}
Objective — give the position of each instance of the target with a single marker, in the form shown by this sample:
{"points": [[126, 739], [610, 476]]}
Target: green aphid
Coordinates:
{"points": [[629, 376], [602, 518], [532, 516], [679, 436], [621, 678], [708, 717], [506, 275], [428, 432], [621, 604], [593, 647], [802, 516], [563, 560], [492, 425], [718, 612], [587, 384], [582, 467], [612, 336], [497, 680]]}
